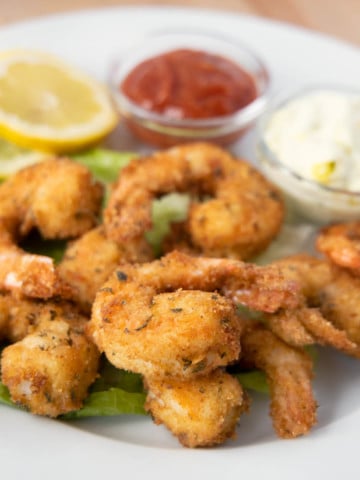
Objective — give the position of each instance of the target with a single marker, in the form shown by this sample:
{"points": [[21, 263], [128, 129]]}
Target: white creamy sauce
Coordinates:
{"points": [[318, 136]]}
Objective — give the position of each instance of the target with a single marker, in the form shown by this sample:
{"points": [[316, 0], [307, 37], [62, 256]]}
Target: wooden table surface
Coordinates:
{"points": [[340, 18]]}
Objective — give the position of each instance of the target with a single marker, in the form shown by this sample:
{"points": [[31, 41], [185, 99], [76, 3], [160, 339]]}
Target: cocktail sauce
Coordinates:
{"points": [[189, 84]]}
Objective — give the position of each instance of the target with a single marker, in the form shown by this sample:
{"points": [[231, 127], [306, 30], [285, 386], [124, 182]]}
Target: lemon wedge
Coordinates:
{"points": [[47, 105]]}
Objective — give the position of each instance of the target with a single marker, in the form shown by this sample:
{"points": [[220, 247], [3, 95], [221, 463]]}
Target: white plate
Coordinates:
{"points": [[125, 447]]}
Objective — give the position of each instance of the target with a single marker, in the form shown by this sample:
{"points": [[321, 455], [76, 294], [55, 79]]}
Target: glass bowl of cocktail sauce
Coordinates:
{"points": [[177, 87]]}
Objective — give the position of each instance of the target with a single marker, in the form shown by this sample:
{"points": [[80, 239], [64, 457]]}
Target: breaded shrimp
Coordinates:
{"points": [[59, 198], [183, 333], [340, 303], [289, 372], [330, 314], [287, 324], [308, 326], [131, 319], [235, 211], [200, 412], [23, 315], [341, 244], [309, 273], [50, 370], [89, 261], [31, 275], [4, 317]]}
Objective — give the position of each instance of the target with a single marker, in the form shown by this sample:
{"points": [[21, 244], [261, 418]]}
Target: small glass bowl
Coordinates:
{"points": [[311, 200], [160, 130]]}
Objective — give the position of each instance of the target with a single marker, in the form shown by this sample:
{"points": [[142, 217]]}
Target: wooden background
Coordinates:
{"points": [[340, 18]]}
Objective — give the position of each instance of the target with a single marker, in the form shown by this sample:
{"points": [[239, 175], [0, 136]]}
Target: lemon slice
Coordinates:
{"points": [[14, 158], [47, 105]]}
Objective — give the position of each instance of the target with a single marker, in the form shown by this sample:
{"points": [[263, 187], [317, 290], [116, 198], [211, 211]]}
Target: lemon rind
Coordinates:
{"points": [[71, 138]]}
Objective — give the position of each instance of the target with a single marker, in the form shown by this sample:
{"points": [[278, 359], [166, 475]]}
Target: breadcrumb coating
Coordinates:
{"points": [[50, 370], [200, 412], [235, 211], [289, 372], [59, 198]]}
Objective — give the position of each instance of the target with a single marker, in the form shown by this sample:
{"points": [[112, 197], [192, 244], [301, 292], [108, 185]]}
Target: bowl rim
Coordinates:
{"points": [[278, 102], [239, 119]]}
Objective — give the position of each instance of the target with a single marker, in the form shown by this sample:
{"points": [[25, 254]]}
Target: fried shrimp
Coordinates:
{"points": [[59, 198], [200, 412], [185, 332], [30, 197], [330, 314], [339, 303], [144, 322], [4, 317], [235, 212], [23, 316], [30, 275], [89, 261], [308, 272], [289, 372], [308, 326], [341, 244], [287, 324], [175, 321], [50, 370]]}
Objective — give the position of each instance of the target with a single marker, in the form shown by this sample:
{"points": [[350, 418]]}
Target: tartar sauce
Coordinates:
{"points": [[317, 136]]}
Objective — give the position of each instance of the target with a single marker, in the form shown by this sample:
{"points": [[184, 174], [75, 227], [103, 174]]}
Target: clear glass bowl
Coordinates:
{"points": [[160, 130], [314, 201]]}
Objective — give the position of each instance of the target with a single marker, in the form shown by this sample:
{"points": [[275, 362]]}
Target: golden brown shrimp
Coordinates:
{"points": [[60, 199], [308, 272], [183, 333], [50, 370], [201, 411], [143, 323], [287, 324], [240, 214], [24, 315], [57, 196], [341, 244], [330, 314], [4, 317], [340, 303], [308, 326], [89, 260], [289, 372], [30, 275]]}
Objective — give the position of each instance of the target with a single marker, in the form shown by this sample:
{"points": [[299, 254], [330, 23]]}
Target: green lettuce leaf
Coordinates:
{"points": [[110, 376], [249, 314], [313, 352], [5, 396], [13, 158], [115, 392], [166, 210], [113, 401], [104, 164], [253, 380]]}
